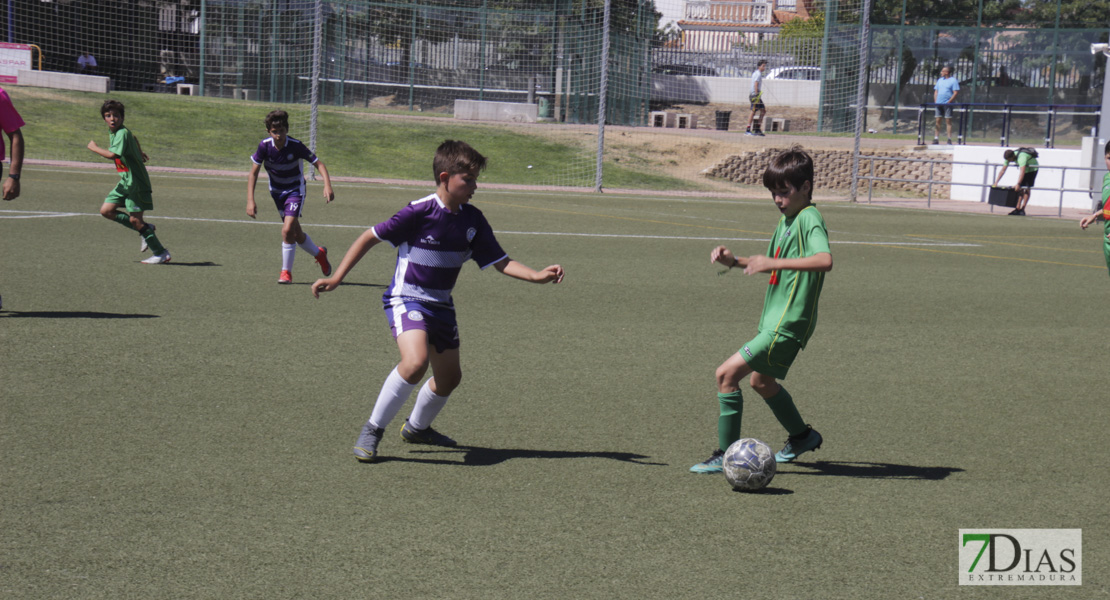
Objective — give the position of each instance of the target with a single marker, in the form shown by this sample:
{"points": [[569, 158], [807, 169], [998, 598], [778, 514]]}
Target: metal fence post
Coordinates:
{"points": [[929, 201], [602, 92]]}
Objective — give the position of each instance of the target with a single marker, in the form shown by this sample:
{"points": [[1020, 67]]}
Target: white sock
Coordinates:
{"points": [[288, 251], [394, 392], [308, 246], [428, 405]]}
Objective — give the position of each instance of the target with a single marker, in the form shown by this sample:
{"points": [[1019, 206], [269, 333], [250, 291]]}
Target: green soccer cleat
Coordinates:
{"points": [[797, 444], [712, 464], [366, 448], [425, 436]]}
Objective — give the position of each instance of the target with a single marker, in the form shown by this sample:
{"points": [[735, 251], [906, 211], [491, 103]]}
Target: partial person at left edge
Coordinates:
{"points": [[12, 124]]}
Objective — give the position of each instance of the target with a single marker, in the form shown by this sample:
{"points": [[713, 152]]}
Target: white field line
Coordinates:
{"points": [[38, 214]]}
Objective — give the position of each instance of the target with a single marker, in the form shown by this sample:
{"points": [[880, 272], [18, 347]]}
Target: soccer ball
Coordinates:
{"points": [[749, 465]]}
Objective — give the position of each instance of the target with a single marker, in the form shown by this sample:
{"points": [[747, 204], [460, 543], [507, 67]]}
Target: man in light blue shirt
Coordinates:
{"points": [[944, 92], [755, 96]]}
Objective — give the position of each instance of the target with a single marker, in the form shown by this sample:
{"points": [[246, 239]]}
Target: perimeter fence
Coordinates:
{"points": [[583, 62]]}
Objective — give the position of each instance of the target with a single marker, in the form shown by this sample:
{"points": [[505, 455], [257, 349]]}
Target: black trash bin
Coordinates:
{"points": [[722, 119]]}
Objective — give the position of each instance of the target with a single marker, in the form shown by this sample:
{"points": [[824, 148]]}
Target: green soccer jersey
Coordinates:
{"points": [[132, 171], [790, 306]]}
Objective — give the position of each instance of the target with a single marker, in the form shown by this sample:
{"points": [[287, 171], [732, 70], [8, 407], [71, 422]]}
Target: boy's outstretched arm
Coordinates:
{"points": [[329, 195], [523, 272], [252, 179], [362, 245], [759, 263]]}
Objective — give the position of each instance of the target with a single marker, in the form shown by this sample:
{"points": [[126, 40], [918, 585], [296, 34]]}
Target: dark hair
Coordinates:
{"points": [[1009, 155], [793, 166], [454, 156], [760, 63], [110, 105], [1106, 150], [277, 117]]}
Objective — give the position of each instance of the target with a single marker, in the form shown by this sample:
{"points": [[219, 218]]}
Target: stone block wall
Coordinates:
{"points": [[833, 170]]}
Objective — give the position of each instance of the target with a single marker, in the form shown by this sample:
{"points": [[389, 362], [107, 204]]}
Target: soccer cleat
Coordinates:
{"points": [[795, 445], [949, 141], [366, 447], [936, 141], [322, 259], [285, 277], [157, 259], [425, 436], [748, 132], [760, 134], [712, 464]]}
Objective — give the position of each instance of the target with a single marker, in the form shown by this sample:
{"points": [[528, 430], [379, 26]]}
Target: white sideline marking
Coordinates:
{"points": [[39, 214]]}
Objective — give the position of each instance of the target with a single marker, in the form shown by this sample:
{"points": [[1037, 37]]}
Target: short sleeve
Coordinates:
{"points": [[259, 156], [398, 229], [484, 247], [9, 116]]}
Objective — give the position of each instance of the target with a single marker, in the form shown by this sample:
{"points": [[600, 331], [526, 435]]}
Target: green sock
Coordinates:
{"points": [[732, 414], [124, 220], [783, 406], [152, 240]]}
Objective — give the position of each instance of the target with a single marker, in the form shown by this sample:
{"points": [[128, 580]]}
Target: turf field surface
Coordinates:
{"points": [[185, 431]]}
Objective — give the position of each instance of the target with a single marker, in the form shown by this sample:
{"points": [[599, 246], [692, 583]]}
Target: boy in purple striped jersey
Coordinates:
{"points": [[434, 237], [282, 156]]}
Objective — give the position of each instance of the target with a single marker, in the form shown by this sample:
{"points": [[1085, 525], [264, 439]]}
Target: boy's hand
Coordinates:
{"points": [[92, 146], [251, 209], [758, 264], [553, 273], [323, 285], [1085, 221], [145, 157], [722, 255], [329, 195]]}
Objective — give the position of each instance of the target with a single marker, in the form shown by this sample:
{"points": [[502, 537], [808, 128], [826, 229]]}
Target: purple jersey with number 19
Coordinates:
{"points": [[432, 245]]}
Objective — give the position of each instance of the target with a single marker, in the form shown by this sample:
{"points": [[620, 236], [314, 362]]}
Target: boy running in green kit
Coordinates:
{"points": [[1104, 210], [797, 259], [133, 190]]}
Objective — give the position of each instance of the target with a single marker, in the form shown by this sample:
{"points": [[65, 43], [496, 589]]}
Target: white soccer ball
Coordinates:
{"points": [[749, 465]]}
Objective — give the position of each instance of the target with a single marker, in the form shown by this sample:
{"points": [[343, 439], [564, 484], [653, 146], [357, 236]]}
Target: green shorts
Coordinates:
{"points": [[133, 201], [770, 354]]}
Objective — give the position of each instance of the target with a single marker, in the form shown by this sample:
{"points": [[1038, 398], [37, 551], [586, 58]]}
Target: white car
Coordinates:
{"points": [[798, 73]]}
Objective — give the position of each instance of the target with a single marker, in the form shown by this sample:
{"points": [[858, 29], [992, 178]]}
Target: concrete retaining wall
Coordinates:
{"points": [[65, 81]]}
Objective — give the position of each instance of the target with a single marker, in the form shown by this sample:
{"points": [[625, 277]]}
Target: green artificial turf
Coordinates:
{"points": [[185, 431]]}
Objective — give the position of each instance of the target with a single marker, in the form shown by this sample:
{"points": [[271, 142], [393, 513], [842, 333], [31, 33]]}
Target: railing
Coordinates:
{"points": [[966, 113], [989, 171], [739, 13]]}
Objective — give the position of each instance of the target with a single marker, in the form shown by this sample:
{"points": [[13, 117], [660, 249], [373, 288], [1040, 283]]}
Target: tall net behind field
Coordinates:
{"points": [[257, 51]]}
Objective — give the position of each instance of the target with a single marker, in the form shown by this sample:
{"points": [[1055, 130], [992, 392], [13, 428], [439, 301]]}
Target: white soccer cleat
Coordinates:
{"points": [[158, 259]]}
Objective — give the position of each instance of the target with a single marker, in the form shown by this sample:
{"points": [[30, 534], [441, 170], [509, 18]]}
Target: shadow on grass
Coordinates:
{"points": [[72, 314], [175, 263], [767, 491], [868, 470], [473, 456], [345, 284]]}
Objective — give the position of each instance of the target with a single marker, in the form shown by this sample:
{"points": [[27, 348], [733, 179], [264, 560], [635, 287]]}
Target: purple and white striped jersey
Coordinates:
{"points": [[432, 245], [284, 166]]}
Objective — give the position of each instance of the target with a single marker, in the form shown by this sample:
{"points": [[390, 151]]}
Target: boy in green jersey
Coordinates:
{"points": [[797, 259], [1103, 211], [133, 191]]}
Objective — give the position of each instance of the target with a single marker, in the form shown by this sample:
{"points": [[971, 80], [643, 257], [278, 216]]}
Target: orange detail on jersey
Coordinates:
{"points": [[120, 167], [775, 273], [1106, 210]]}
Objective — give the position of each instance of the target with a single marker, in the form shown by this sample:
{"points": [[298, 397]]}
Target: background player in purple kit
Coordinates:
{"points": [[434, 237], [282, 156]]}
